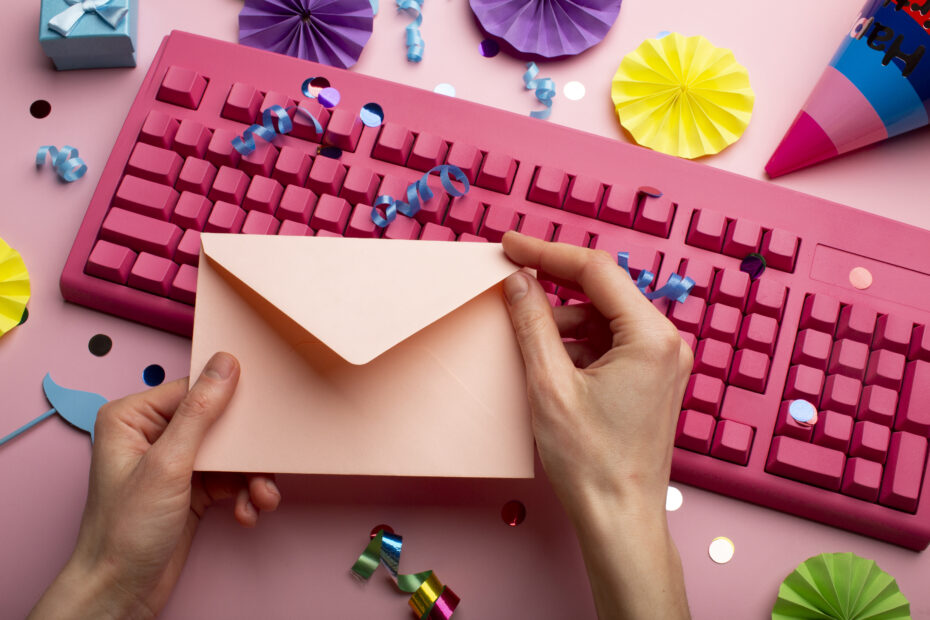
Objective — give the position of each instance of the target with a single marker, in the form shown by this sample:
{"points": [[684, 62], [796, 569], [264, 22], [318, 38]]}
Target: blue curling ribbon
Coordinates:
{"points": [[414, 40], [417, 192], [268, 129], [677, 288], [544, 87], [66, 162]]}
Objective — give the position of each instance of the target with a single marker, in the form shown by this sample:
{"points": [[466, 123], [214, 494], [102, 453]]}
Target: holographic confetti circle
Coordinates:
{"points": [[721, 550], [673, 499], [802, 411], [383, 526], [445, 89], [40, 108], [513, 513], [313, 85], [100, 345], [329, 97], [153, 375], [489, 48], [860, 277], [573, 90], [371, 114], [754, 265], [650, 191]]}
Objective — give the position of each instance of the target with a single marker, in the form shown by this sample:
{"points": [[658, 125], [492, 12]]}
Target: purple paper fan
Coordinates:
{"points": [[331, 32], [548, 28]]}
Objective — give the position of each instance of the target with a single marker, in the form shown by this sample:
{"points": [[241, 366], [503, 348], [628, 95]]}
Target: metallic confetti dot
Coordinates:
{"points": [[383, 526], [329, 97], [25, 316], [100, 345], [371, 114], [333, 152], [40, 108], [489, 48], [754, 265], [673, 499], [721, 550], [802, 411], [573, 90], [153, 375], [648, 190], [313, 85], [445, 89], [513, 513], [860, 277]]}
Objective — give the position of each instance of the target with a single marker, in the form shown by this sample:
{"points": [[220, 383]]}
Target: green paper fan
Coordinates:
{"points": [[840, 586]]}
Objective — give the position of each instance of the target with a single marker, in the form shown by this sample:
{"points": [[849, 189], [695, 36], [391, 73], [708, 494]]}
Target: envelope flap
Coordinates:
{"points": [[360, 297]]}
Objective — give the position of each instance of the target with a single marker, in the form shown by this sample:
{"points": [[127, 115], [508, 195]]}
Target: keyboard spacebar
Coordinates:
{"points": [[806, 462]]}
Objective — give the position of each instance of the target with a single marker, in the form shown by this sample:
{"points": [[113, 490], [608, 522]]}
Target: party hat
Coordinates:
{"points": [[876, 86]]}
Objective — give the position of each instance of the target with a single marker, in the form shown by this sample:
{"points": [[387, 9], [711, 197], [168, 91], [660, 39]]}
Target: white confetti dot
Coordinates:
{"points": [[673, 499], [445, 89], [573, 91], [721, 550]]}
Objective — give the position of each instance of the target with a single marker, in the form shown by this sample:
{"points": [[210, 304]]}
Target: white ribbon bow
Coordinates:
{"points": [[64, 22]]}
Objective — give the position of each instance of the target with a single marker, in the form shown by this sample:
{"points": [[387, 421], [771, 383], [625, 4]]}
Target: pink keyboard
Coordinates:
{"points": [[801, 330]]}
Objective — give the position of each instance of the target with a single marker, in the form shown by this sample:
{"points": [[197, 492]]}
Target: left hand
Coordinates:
{"points": [[145, 501]]}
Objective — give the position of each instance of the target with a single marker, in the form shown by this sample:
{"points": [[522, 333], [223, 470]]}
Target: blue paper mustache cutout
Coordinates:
{"points": [[77, 407]]}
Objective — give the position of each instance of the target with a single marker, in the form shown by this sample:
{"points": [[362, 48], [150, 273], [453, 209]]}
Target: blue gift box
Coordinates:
{"points": [[92, 43]]}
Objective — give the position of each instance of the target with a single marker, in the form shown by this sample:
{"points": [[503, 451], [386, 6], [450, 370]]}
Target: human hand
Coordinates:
{"points": [[604, 408], [144, 500]]}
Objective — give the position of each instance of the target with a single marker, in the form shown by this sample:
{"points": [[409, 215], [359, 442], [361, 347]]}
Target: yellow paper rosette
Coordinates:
{"points": [[682, 96], [14, 287]]}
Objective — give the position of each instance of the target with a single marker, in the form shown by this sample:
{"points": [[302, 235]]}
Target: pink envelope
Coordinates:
{"points": [[363, 356]]}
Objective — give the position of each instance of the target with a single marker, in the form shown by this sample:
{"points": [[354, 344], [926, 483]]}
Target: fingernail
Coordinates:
{"points": [[220, 366], [272, 487], [515, 287], [250, 509]]}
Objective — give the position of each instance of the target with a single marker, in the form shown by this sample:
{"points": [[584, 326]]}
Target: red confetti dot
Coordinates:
{"points": [[513, 513], [387, 530]]}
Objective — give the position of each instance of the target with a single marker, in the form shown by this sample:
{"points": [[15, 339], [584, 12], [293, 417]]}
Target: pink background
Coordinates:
{"points": [[295, 564]]}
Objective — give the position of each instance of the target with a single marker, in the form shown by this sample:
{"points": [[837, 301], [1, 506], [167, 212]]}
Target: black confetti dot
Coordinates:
{"points": [[100, 345], [40, 108], [513, 513], [153, 375]]}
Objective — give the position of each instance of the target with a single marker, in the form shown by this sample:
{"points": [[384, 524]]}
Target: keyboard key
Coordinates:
{"points": [[361, 225], [497, 221], [862, 479], [261, 161], [914, 410], [273, 98], [920, 344], [758, 333], [263, 194], [183, 87], [428, 152], [360, 185], [750, 370], [904, 471], [326, 177], [435, 232], [145, 197], [192, 139], [688, 315], [713, 358], [892, 333], [243, 103], [886, 369], [870, 441], [434, 209], [730, 287], [701, 272], [742, 238], [294, 229], [393, 144], [812, 348], [225, 218], [159, 129], [155, 164], [804, 382], [707, 230], [640, 258], [188, 252], [841, 393], [849, 358], [402, 228], [689, 339], [140, 233], [537, 226], [303, 127], [344, 129], [788, 426], [220, 151], [549, 186], [332, 214], [806, 462], [857, 323], [779, 248], [572, 235], [619, 206], [197, 176], [152, 273], [721, 322], [584, 196], [497, 172], [767, 297], [229, 185], [833, 430], [292, 166], [184, 286], [191, 211], [820, 312], [296, 204], [695, 431], [260, 223], [472, 238], [745, 407], [655, 215], [466, 157], [465, 213], [704, 394], [732, 442], [110, 262], [878, 404]]}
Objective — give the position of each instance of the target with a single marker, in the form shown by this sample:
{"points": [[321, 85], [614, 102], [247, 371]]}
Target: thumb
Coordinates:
{"points": [[205, 402], [544, 353]]}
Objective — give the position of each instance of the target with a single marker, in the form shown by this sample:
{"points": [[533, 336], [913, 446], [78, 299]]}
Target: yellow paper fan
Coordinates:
{"points": [[14, 287], [682, 96]]}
